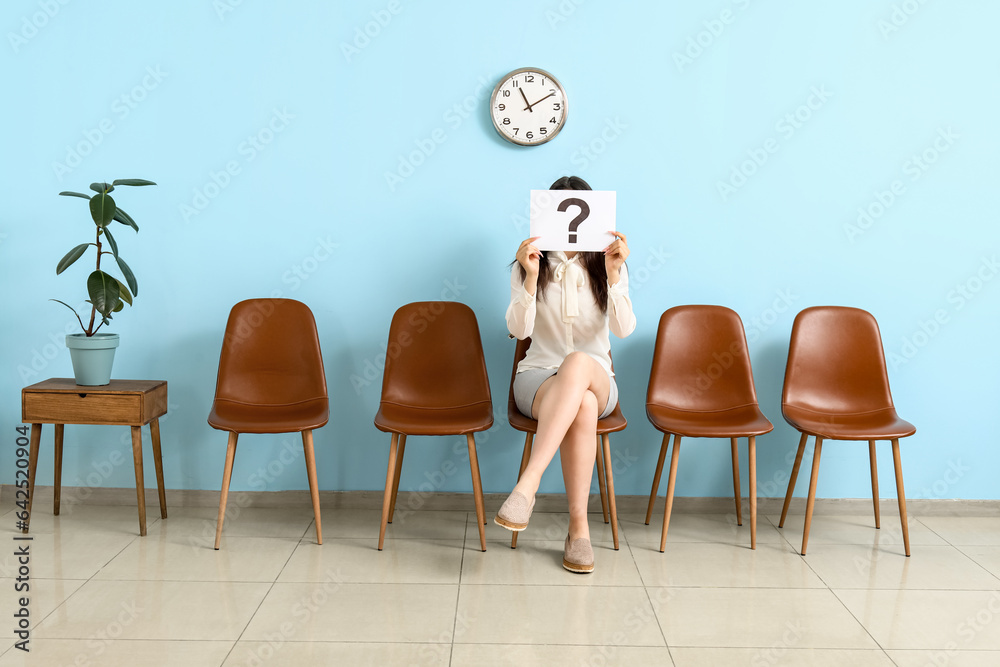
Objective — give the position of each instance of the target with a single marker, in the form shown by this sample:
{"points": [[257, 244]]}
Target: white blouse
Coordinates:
{"points": [[568, 319]]}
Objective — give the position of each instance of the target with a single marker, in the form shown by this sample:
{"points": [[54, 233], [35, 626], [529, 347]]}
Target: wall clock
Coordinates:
{"points": [[528, 106]]}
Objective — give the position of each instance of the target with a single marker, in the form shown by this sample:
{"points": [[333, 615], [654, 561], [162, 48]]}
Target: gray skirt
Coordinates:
{"points": [[526, 384]]}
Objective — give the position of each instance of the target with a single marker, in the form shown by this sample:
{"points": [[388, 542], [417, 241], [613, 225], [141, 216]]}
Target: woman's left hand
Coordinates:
{"points": [[614, 256]]}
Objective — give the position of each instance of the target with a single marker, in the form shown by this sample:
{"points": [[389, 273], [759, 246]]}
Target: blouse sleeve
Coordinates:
{"points": [[521, 311], [621, 319]]}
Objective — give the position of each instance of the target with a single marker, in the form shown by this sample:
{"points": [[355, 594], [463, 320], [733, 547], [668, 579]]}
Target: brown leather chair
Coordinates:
{"points": [[434, 383], [610, 424], [271, 380], [701, 386], [837, 388]]}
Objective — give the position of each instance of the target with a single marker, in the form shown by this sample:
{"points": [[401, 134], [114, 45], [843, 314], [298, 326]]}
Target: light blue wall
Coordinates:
{"points": [[310, 214]]}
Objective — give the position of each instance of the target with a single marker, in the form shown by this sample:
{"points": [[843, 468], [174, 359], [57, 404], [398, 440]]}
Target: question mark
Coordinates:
{"points": [[578, 220]]}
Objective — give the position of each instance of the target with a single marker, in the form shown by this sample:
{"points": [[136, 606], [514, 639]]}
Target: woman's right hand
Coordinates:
{"points": [[528, 257]]}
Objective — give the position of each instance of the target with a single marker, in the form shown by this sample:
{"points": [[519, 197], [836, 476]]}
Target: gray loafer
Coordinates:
{"points": [[579, 556], [515, 512]]}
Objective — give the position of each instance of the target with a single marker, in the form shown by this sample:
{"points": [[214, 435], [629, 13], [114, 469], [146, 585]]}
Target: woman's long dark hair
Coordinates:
{"points": [[592, 262]]}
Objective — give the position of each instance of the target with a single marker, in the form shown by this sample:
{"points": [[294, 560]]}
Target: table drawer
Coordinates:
{"points": [[82, 408]]}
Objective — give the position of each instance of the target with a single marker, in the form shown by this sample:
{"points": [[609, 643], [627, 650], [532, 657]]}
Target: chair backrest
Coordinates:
{"points": [[271, 354], [836, 362], [434, 358], [701, 361]]}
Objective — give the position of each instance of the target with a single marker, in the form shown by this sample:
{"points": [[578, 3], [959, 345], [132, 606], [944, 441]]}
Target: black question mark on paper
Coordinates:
{"points": [[578, 220]]}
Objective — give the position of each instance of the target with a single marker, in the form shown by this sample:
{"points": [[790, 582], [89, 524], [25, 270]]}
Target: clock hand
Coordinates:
{"points": [[544, 98], [527, 108]]}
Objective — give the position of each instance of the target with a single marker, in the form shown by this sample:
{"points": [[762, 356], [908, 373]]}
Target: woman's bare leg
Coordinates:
{"points": [[577, 453], [557, 405]]}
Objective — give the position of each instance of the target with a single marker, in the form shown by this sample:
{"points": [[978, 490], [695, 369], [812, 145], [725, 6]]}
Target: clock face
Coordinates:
{"points": [[528, 106]]}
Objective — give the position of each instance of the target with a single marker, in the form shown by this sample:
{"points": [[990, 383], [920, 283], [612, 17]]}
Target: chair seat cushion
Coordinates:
{"points": [[737, 422], [254, 418], [880, 424], [458, 420]]}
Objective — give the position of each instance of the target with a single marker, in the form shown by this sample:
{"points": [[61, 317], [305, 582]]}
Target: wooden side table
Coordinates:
{"points": [[61, 401]]}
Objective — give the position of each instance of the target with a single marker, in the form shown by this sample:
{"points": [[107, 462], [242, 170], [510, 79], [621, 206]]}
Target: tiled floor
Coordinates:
{"points": [[100, 595]]}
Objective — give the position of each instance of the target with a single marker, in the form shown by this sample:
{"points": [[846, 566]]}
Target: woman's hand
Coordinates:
{"points": [[528, 256], [614, 256]]}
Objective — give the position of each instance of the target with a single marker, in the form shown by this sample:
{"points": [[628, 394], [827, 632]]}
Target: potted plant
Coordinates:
{"points": [[93, 353]]}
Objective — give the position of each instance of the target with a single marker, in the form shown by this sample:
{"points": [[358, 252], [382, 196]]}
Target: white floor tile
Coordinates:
{"points": [[579, 615], [777, 656], [155, 610], [932, 620], [337, 611], [279, 653], [108, 652], [711, 564], [539, 563], [493, 655], [757, 617], [402, 561]]}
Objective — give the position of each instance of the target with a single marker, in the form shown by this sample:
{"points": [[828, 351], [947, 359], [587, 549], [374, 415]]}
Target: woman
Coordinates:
{"points": [[566, 302]]}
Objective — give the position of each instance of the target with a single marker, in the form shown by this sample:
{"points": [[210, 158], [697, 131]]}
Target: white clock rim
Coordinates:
{"points": [[534, 70]]}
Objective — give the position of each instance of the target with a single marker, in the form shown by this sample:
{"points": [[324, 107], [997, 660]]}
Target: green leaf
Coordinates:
{"points": [[67, 193], [104, 292], [123, 294], [102, 209], [101, 188], [126, 219], [70, 257], [133, 181], [129, 276], [111, 241]]}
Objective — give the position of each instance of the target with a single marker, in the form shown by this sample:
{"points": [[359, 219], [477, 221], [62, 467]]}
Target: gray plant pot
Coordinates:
{"points": [[92, 357]]}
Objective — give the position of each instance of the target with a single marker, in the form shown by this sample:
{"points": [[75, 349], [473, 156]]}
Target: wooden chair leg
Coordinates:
{"points": [[477, 489], [525, 457], [401, 449], [389, 482], [602, 480], [33, 444], [900, 494], [671, 482], [310, 453], [140, 485], [871, 458], [57, 471], [227, 475], [154, 433], [811, 501], [656, 475], [736, 482], [791, 480], [612, 510], [752, 455]]}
